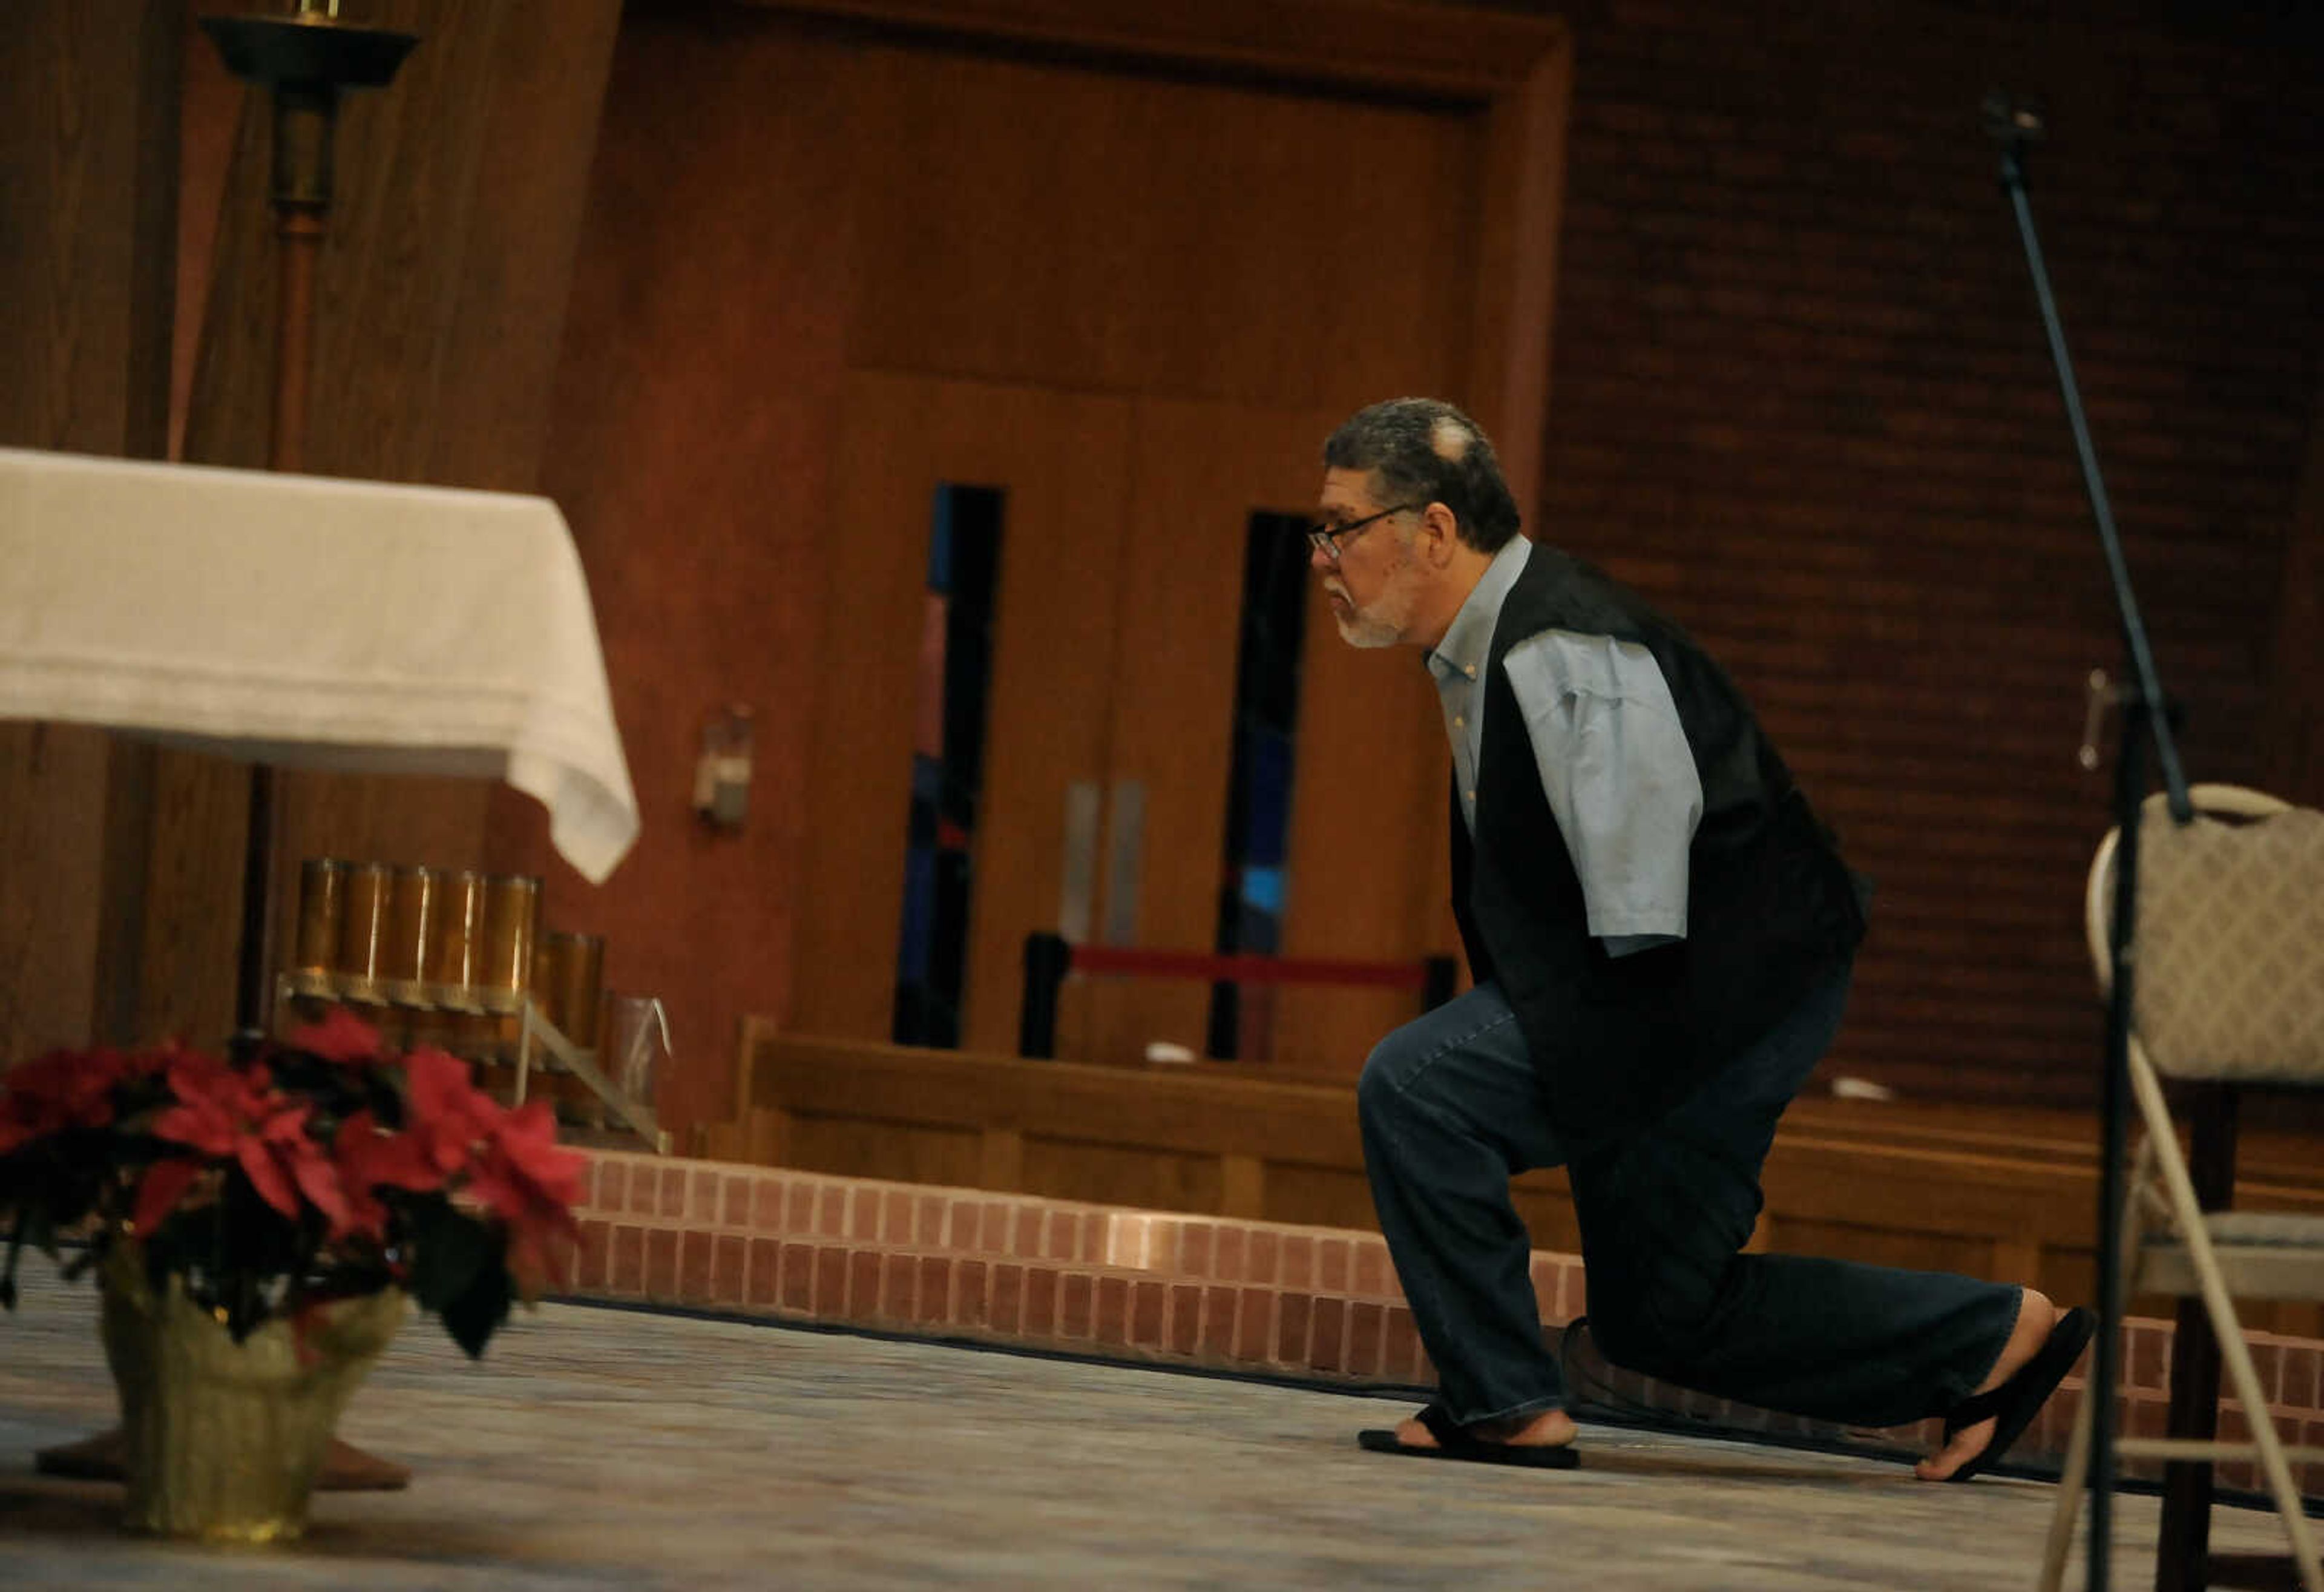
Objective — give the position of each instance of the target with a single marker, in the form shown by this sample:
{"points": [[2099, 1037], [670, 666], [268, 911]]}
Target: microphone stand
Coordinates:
{"points": [[2016, 127]]}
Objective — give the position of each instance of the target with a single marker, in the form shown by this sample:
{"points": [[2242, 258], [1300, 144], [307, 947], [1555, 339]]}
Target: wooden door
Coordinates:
{"points": [[1059, 460], [1135, 301], [1366, 741], [1116, 621]]}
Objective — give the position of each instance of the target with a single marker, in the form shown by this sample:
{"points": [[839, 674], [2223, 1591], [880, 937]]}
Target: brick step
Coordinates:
{"points": [[1006, 1268], [1167, 1288]]}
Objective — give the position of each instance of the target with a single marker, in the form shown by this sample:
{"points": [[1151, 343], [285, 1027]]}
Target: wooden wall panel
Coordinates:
{"points": [[695, 410], [87, 180], [1115, 1173], [53, 782], [443, 285], [1919, 1252], [1801, 399], [1178, 239], [1545, 1205], [440, 305], [88, 148], [1319, 1196], [893, 449], [902, 1151]]}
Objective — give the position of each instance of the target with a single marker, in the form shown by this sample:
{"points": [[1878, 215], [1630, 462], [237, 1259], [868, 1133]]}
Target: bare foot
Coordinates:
{"points": [[1549, 1429], [2037, 1318]]}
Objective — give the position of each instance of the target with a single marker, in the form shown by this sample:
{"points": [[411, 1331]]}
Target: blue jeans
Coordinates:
{"points": [[1452, 1107]]}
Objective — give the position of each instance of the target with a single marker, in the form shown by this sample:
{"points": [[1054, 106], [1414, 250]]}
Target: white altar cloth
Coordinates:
{"points": [[345, 624]]}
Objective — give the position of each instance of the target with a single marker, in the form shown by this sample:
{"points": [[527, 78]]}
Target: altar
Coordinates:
{"points": [[303, 621], [296, 619]]}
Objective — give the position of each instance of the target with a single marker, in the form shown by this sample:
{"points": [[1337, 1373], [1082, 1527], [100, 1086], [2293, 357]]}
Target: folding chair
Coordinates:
{"points": [[2229, 990]]}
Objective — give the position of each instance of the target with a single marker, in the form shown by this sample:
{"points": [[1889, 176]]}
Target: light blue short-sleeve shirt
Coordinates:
{"points": [[1612, 757]]}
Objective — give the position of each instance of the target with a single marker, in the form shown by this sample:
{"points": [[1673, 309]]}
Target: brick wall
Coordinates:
{"points": [[1799, 395]]}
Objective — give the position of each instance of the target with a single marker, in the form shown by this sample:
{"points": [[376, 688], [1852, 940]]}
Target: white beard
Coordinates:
{"points": [[1361, 629], [1385, 623]]}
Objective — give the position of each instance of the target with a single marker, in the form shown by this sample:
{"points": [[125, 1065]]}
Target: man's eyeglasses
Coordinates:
{"points": [[1326, 538]]}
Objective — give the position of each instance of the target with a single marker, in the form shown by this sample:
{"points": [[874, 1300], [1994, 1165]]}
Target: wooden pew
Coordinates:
{"points": [[1997, 1192]]}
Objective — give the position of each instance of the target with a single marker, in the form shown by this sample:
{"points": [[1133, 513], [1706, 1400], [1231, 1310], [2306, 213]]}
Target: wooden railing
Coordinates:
{"points": [[1995, 1192]]}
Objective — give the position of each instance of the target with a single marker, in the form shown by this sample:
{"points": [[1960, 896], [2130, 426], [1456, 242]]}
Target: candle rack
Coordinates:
{"points": [[533, 1042]]}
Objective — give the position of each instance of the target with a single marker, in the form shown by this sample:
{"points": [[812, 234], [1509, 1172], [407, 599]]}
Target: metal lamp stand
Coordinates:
{"points": [[305, 61]]}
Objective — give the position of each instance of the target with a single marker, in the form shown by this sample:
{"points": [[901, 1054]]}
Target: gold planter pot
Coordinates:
{"points": [[224, 1439]]}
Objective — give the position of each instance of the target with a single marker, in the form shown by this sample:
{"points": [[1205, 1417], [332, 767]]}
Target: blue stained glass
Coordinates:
{"points": [[965, 530], [1253, 885]]}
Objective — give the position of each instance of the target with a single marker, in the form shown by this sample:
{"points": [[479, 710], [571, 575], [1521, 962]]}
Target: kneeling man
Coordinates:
{"points": [[1661, 933]]}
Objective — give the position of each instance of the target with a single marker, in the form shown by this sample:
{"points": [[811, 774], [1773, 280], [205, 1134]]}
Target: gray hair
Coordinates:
{"points": [[1423, 450]]}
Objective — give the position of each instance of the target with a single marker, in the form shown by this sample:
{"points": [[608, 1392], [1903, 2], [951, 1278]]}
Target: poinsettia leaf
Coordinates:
{"points": [[478, 1313], [266, 1177], [318, 1181], [527, 1137], [369, 1158], [447, 1250], [201, 1127], [460, 1270], [165, 1183]]}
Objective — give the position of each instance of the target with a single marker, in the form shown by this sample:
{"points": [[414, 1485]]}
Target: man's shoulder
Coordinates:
{"points": [[1555, 663], [1559, 592]]}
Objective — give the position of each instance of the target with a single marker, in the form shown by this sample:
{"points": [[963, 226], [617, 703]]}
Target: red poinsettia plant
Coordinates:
{"points": [[321, 1168]]}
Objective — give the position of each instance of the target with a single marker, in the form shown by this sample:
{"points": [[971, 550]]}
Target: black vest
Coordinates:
{"points": [[1771, 909]]}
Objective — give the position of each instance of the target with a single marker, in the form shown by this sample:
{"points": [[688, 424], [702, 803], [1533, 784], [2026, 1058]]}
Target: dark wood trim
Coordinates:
{"points": [[1360, 43], [1517, 267]]}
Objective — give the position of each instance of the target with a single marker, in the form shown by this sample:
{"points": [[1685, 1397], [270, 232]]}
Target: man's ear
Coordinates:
{"points": [[1443, 533]]}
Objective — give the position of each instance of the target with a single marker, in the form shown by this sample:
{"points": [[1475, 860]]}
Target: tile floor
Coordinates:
{"points": [[599, 1448]]}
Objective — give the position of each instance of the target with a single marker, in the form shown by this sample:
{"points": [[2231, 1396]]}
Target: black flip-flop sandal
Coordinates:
{"points": [[1452, 1443], [2015, 1402]]}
